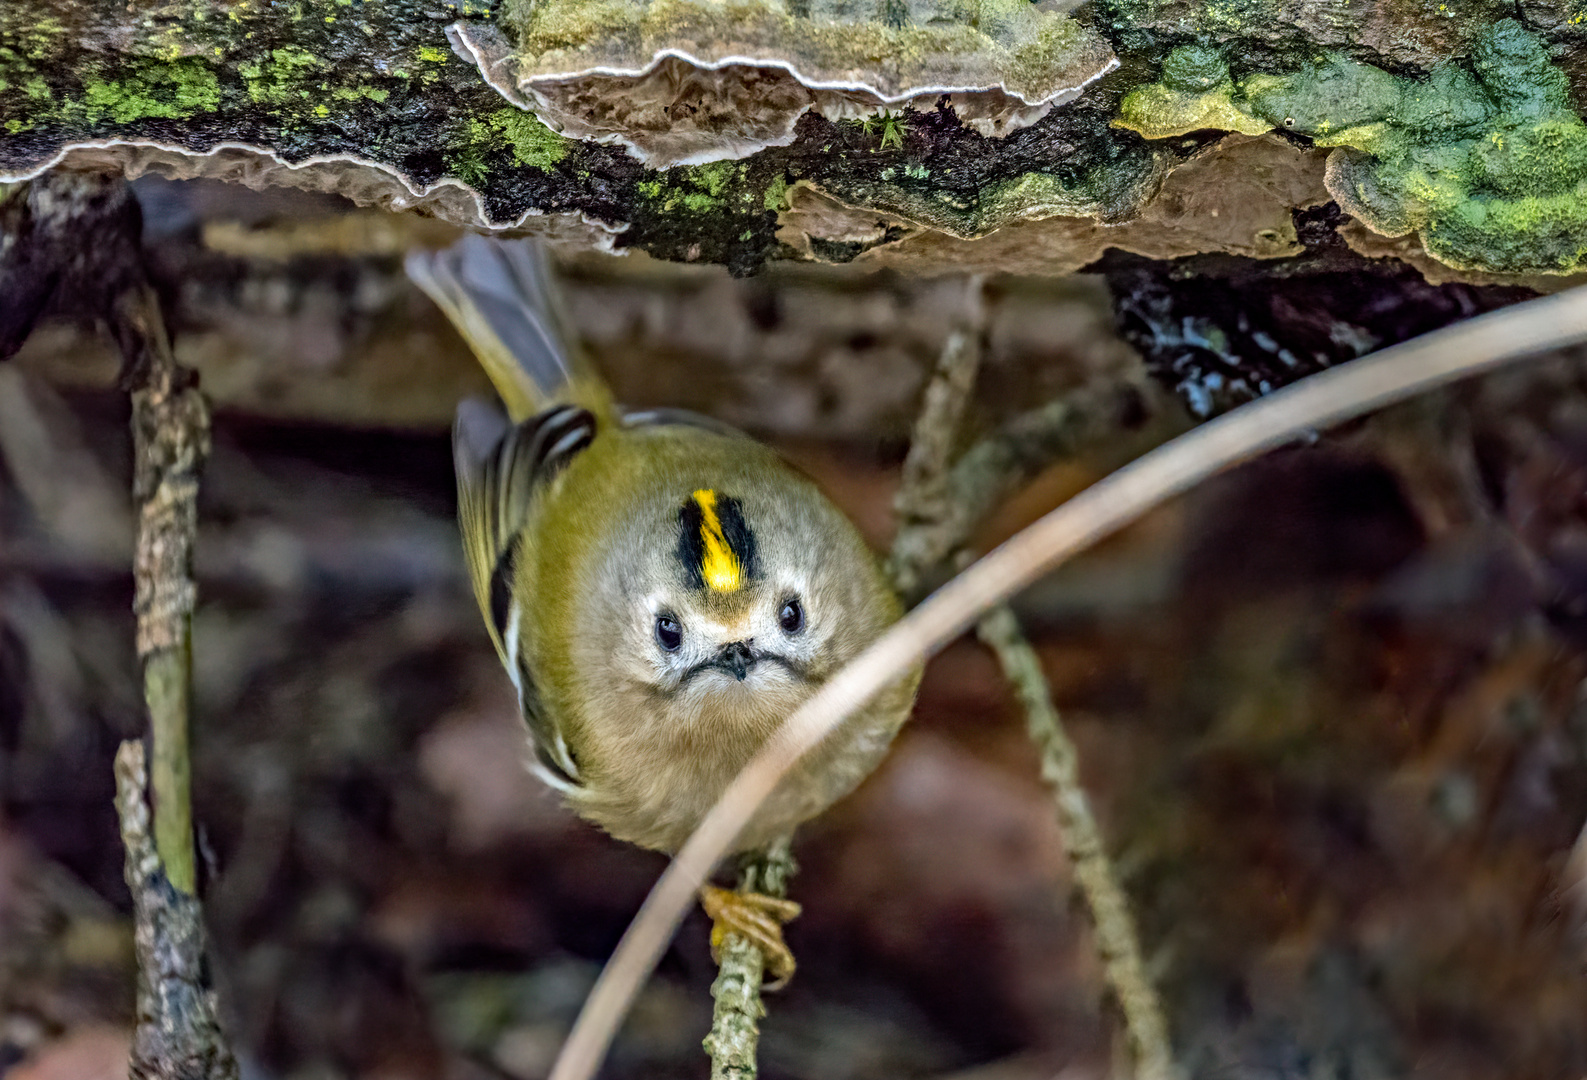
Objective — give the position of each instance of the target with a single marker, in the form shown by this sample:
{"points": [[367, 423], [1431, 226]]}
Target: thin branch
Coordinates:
{"points": [[736, 1016], [178, 1035], [925, 492], [938, 517], [939, 503], [1116, 936]]}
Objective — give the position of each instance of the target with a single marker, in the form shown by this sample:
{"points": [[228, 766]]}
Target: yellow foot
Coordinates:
{"points": [[758, 919]]}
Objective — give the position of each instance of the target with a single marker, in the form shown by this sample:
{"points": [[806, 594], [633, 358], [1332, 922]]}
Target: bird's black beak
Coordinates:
{"points": [[736, 658]]}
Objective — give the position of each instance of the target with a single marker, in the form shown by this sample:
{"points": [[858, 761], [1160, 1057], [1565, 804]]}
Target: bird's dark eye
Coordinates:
{"points": [[669, 635], [792, 617]]}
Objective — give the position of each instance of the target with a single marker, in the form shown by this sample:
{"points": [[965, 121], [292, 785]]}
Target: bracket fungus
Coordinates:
{"points": [[687, 82]]}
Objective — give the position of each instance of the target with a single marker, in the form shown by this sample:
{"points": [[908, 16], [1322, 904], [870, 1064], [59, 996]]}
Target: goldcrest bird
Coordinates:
{"points": [[662, 589]]}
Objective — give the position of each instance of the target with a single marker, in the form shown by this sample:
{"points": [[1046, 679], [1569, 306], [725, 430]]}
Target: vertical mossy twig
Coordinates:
{"points": [[75, 243], [178, 1035], [70, 241], [940, 501], [170, 427], [943, 497], [737, 1011]]}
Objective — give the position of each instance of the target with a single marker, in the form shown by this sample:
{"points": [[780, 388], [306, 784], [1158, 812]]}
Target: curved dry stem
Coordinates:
{"points": [[1350, 390]]}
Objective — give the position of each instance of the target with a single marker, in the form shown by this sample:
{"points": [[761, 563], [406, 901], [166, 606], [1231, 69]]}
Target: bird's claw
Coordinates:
{"points": [[758, 919]]}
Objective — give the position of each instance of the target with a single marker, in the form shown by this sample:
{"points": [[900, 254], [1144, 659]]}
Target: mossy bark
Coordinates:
{"points": [[369, 98]]}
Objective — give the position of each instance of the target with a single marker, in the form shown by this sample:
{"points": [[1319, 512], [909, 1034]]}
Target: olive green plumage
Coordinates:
{"points": [[663, 590]]}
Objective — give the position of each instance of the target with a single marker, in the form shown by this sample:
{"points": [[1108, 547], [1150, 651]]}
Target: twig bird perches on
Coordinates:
{"points": [[736, 1011], [1359, 387]]}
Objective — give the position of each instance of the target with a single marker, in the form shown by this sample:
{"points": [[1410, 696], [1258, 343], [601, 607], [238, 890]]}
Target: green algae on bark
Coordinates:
{"points": [[1195, 93], [1486, 161]]}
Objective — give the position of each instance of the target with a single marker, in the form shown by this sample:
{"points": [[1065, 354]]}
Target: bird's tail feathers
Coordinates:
{"points": [[502, 297]]}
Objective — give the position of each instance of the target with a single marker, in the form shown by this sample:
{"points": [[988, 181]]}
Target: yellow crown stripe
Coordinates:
{"points": [[719, 564]]}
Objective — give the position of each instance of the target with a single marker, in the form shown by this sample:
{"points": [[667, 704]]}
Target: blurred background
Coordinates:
{"points": [[1331, 706]]}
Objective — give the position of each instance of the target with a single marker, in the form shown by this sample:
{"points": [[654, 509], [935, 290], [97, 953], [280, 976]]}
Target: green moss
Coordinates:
{"points": [[1448, 103], [713, 179], [468, 165], [161, 89], [533, 144], [359, 93], [29, 44], [1516, 72], [698, 190], [775, 197], [1486, 161], [430, 54], [887, 128], [283, 77], [1545, 158], [1489, 165], [718, 188], [1543, 234], [696, 202], [30, 35], [293, 82]]}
